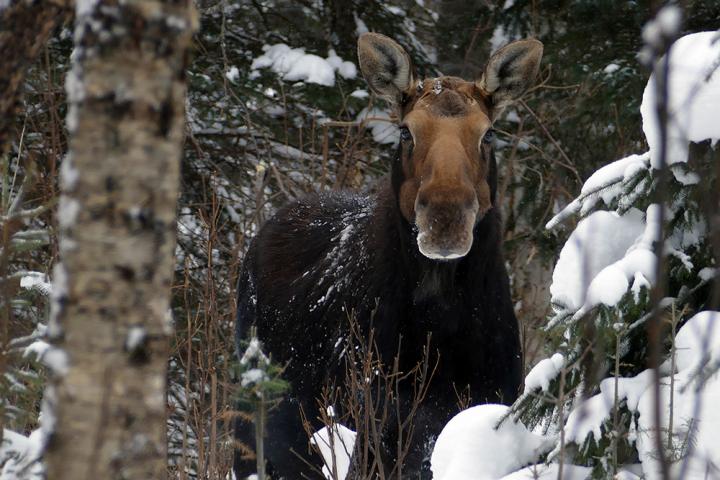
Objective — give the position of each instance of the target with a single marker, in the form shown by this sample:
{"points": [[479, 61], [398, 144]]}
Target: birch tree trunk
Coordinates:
{"points": [[126, 95]]}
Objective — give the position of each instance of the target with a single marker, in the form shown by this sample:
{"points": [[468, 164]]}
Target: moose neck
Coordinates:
{"points": [[438, 279]]}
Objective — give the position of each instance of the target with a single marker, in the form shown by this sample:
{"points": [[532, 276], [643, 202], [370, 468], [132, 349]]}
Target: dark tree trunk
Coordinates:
{"points": [[24, 28]]}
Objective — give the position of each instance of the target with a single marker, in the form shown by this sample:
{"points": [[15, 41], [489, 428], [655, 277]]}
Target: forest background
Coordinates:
{"points": [[256, 140]]}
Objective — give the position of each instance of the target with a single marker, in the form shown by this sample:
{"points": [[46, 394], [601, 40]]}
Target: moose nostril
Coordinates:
{"points": [[422, 203], [470, 203]]}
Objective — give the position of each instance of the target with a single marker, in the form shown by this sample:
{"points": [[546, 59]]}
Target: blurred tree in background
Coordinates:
{"points": [[255, 140]]}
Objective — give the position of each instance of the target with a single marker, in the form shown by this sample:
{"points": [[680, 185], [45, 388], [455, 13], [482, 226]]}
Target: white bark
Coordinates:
{"points": [[126, 94]]}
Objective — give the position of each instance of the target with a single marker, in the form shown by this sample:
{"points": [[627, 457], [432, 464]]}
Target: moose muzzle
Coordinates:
{"points": [[445, 226]]}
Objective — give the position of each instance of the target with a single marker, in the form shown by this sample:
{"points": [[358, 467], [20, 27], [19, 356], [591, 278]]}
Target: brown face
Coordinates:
{"points": [[445, 156], [444, 136]]}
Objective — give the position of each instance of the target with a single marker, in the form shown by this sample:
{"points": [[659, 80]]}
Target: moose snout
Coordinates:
{"points": [[445, 226]]}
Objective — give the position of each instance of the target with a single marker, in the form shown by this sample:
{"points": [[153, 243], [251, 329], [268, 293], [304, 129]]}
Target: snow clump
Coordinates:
{"points": [[382, 128], [693, 100], [480, 443], [690, 399], [232, 74], [543, 373], [294, 65], [589, 250], [336, 450]]}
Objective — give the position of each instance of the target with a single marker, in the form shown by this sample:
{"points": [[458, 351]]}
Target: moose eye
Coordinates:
{"points": [[489, 136], [405, 135]]}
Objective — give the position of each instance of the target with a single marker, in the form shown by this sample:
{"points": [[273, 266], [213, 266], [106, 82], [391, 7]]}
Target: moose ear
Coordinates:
{"points": [[510, 71], [385, 65]]}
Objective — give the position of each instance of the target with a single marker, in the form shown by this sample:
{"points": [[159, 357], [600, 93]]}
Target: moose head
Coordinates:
{"points": [[446, 136]]}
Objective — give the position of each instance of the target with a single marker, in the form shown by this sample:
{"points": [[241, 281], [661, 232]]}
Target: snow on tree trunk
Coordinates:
{"points": [[126, 94]]}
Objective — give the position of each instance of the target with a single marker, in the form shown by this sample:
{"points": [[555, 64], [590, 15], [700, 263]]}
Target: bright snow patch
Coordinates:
{"points": [[589, 415], [69, 175], [698, 426], [254, 376], [57, 360], [612, 282], [232, 74], [68, 211], [294, 65], [596, 268], [606, 184], [136, 336], [693, 100], [695, 397], [698, 342], [336, 451], [84, 7], [36, 280], [58, 293], [360, 26], [470, 448], [543, 373], [20, 455], [550, 472], [257, 361], [697, 346], [611, 68], [382, 128], [38, 348], [254, 353], [345, 69], [589, 250], [499, 38]]}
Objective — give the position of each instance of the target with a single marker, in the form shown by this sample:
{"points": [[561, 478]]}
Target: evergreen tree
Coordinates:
{"points": [[635, 286]]}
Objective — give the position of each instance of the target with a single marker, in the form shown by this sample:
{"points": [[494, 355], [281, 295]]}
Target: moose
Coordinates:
{"points": [[420, 256]]}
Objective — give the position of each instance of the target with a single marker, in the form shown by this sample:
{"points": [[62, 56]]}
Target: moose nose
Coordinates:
{"points": [[422, 202], [445, 219], [445, 200]]}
